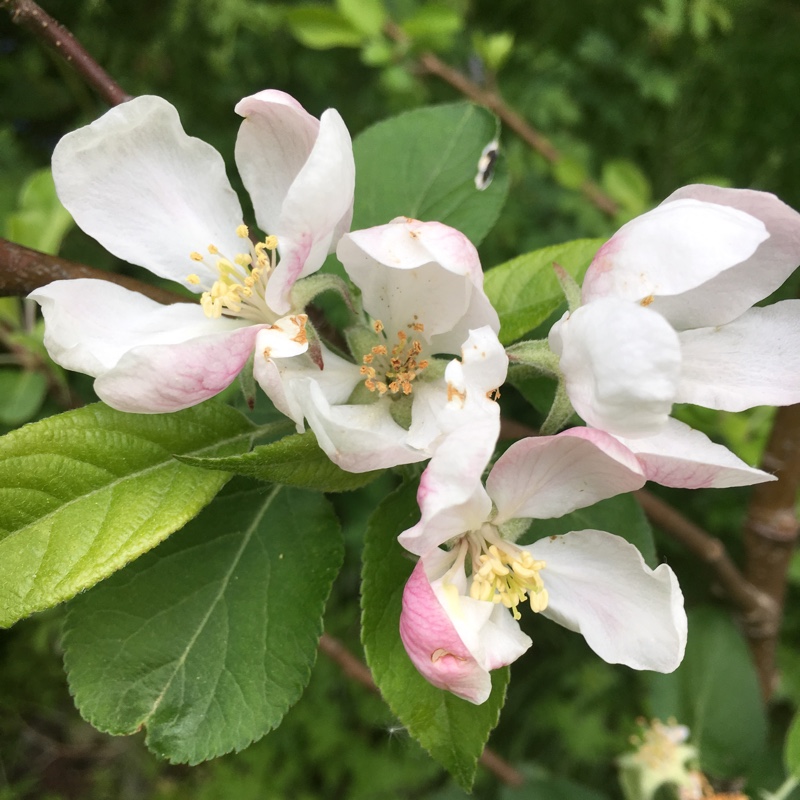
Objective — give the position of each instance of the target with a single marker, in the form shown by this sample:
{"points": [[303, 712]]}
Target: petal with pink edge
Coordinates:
{"points": [[673, 248], [599, 586], [621, 364], [91, 324], [733, 291], [684, 458], [550, 476], [752, 361], [147, 192]]}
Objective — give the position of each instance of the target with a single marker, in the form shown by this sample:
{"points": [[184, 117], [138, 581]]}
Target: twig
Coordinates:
{"points": [[748, 598], [22, 270], [31, 16], [356, 669], [770, 535]]}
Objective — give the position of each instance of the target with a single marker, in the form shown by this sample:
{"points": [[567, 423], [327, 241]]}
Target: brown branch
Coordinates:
{"points": [[356, 669], [492, 99], [28, 14], [22, 270], [770, 536], [748, 598]]}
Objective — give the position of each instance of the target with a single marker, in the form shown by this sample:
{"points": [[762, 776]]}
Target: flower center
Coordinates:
{"points": [[239, 290], [504, 573], [393, 370]]}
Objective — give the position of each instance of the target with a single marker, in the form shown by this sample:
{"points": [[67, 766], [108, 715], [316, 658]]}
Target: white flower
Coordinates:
{"points": [[422, 286], [160, 199], [456, 625], [667, 318]]}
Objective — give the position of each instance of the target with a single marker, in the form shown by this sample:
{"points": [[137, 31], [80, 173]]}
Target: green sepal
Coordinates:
{"points": [[536, 354], [307, 289]]}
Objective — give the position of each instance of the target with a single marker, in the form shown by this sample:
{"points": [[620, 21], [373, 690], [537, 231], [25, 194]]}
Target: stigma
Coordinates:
{"points": [[242, 279], [393, 371]]}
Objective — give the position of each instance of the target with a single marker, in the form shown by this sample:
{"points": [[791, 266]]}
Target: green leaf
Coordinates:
{"points": [[452, 730], [525, 290], [422, 164], [434, 25], [321, 27], [620, 515], [84, 493], [41, 221], [367, 16], [791, 751], [295, 461], [716, 693], [207, 641], [625, 182], [21, 394]]}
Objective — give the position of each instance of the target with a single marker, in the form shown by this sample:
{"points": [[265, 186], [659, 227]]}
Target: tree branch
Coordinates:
{"points": [[770, 535], [22, 270], [28, 14], [356, 669]]}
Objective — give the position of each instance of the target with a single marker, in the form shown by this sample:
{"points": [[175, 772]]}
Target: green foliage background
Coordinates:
{"points": [[641, 97]]}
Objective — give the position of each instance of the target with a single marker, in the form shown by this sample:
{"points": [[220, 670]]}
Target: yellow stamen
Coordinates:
{"points": [[193, 279], [242, 232], [195, 256]]}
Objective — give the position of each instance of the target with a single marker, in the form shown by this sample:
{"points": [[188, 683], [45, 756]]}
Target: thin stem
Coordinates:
{"points": [[357, 670], [30, 15], [784, 790], [22, 270], [770, 536]]}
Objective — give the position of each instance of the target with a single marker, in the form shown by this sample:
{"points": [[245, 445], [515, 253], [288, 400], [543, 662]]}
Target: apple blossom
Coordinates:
{"points": [[421, 285], [455, 622], [156, 197], [666, 317]]}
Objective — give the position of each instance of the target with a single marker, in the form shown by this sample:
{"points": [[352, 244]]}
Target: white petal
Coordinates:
{"points": [[673, 248], [621, 363], [733, 291], [752, 361], [599, 585], [550, 476], [285, 338], [91, 324], [424, 272], [684, 458], [146, 191]]}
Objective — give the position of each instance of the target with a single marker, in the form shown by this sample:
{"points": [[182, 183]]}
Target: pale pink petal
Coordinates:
{"points": [[91, 324], [159, 378], [752, 361], [599, 586], [673, 248], [733, 291], [419, 272], [550, 476], [684, 458], [434, 646], [146, 191], [621, 363]]}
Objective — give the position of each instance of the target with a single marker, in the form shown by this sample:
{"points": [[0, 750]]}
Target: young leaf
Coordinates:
{"points": [[715, 692], [207, 641], [452, 730], [295, 461], [85, 492], [422, 164], [525, 291], [21, 394], [791, 750]]}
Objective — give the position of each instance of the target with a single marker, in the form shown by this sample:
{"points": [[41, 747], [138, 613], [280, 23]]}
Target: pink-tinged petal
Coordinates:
{"points": [[274, 142], [358, 438], [484, 363], [733, 291], [684, 458], [551, 476], [752, 361], [621, 363], [673, 248], [600, 586], [434, 646], [146, 191], [278, 379], [419, 272], [158, 378], [91, 324]]}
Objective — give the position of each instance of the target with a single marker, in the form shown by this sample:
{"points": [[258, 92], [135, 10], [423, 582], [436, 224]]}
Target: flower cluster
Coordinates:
{"points": [[665, 317]]}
